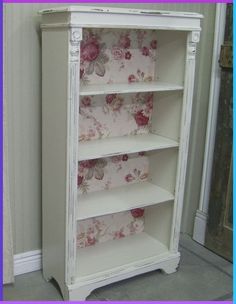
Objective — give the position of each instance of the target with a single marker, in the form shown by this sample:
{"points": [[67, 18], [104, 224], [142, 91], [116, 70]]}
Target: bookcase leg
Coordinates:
{"points": [[79, 294], [46, 276], [169, 269], [171, 266]]}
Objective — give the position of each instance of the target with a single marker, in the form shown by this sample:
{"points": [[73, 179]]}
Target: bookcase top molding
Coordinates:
{"points": [[88, 16]]}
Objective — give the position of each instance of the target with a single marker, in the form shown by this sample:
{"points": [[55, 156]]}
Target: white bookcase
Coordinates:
{"points": [[117, 98]]}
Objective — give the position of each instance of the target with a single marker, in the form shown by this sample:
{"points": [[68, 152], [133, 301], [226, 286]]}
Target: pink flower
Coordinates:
{"points": [[125, 157], [129, 178], [90, 241], [117, 53], [139, 212], [79, 180], [86, 101], [128, 55], [90, 50], [153, 44], [110, 98], [132, 78], [145, 51], [141, 119], [88, 163], [124, 41], [118, 234]]}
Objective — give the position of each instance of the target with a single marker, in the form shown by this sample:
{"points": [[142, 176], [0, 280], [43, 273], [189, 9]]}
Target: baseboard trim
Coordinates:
{"points": [[27, 262], [199, 230]]}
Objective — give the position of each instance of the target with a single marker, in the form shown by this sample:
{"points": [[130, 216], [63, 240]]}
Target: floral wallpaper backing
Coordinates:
{"points": [[118, 56], [114, 56], [105, 174], [109, 227], [114, 115], [111, 172]]}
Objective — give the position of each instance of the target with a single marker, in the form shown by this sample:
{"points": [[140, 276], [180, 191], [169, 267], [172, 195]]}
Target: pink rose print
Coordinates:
{"points": [[125, 157], [141, 153], [110, 98], [86, 101], [93, 56], [88, 163], [118, 235], [117, 53], [153, 44], [79, 180], [132, 78], [90, 49], [128, 55], [139, 212], [129, 178], [90, 241], [124, 41], [141, 119], [145, 51]]}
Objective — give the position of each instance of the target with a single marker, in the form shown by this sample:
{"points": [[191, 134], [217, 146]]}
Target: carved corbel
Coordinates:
{"points": [[75, 38]]}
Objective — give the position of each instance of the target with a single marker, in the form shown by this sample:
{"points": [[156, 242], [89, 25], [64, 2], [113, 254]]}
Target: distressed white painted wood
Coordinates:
{"points": [[54, 153], [79, 271], [123, 145], [114, 18], [118, 255], [75, 36], [155, 86], [120, 199], [168, 263], [192, 39]]}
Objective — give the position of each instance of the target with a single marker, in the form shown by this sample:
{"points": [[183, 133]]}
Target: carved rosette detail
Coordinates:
{"points": [[194, 38], [75, 38]]}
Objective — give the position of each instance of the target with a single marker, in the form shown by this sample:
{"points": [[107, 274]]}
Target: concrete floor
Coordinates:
{"points": [[202, 275]]}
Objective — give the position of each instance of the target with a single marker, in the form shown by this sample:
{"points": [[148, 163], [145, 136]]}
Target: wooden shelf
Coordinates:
{"points": [[135, 87], [123, 145], [117, 256], [121, 199]]}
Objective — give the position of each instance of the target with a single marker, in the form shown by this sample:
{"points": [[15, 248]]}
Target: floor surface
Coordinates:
{"points": [[202, 275]]}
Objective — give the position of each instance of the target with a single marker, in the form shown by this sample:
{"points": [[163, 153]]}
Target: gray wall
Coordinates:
{"points": [[23, 96]]}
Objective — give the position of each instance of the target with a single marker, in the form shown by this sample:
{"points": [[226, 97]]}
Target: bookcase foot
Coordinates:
{"points": [[79, 293], [170, 268]]}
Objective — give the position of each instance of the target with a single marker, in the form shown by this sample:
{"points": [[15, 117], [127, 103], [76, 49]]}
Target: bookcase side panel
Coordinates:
{"points": [[56, 138], [158, 221], [171, 56], [166, 116], [192, 40]]}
